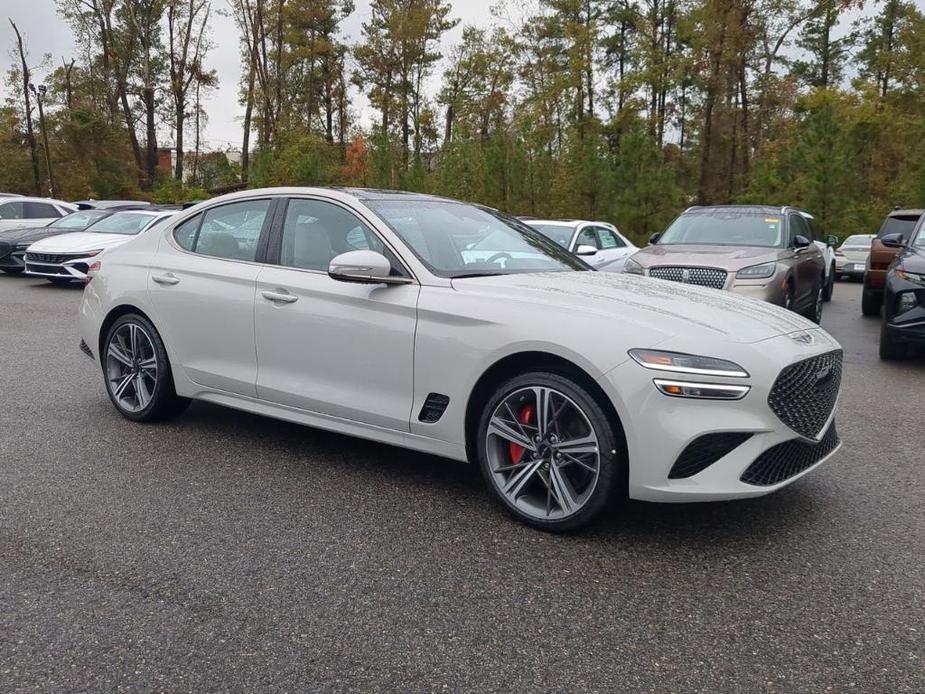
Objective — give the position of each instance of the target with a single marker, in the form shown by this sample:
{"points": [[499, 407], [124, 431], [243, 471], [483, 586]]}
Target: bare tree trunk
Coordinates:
{"points": [[30, 133], [248, 112], [68, 87]]}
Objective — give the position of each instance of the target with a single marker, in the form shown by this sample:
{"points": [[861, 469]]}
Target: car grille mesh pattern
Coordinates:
{"points": [[789, 458], [804, 393], [52, 257], [703, 276], [705, 450]]}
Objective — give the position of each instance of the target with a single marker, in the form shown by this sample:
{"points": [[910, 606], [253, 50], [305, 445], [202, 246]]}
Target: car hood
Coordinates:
{"points": [[913, 261], [728, 257], [671, 308], [77, 241], [30, 235]]}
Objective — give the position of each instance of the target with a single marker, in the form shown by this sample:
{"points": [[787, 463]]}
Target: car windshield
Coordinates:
{"points": [[558, 233], [898, 225], [127, 223], [725, 227], [858, 240], [457, 240], [78, 220]]}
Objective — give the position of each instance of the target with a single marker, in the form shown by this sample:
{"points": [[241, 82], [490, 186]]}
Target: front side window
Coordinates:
{"points": [[798, 227], [231, 231], [39, 210], [125, 223], [904, 225], [314, 232], [587, 237], [725, 227], [11, 210], [459, 240]]}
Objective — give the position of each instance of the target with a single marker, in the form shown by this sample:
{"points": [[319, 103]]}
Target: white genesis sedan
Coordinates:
{"points": [[452, 329]]}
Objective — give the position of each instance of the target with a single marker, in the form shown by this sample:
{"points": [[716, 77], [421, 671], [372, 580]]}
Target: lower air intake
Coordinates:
{"points": [[705, 450], [789, 458]]}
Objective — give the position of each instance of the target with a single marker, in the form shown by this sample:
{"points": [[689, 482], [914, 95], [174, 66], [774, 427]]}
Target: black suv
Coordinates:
{"points": [[904, 294]]}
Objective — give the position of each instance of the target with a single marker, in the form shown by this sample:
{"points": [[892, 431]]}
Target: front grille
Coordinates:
{"points": [[702, 276], [804, 393], [47, 269], [705, 450], [54, 258], [789, 458]]}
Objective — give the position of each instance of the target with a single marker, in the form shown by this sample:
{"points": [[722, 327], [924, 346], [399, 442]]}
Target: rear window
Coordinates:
{"points": [[560, 234], [858, 240], [898, 225]]}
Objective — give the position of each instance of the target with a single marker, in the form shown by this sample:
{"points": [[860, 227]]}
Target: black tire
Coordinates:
{"points": [[789, 295], [165, 402], [871, 302], [829, 285], [12, 270], [814, 311], [612, 467], [890, 348]]}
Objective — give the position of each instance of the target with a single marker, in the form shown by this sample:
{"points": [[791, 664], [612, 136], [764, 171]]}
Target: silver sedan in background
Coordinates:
{"points": [[851, 256]]}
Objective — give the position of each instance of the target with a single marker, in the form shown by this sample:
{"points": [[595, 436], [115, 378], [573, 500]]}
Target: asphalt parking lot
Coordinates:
{"points": [[225, 552]]}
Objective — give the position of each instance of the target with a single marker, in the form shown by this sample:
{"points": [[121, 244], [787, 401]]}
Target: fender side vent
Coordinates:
{"points": [[434, 407], [702, 452]]}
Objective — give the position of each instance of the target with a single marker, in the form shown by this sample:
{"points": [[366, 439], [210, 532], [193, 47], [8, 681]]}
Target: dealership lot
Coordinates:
{"points": [[223, 551]]}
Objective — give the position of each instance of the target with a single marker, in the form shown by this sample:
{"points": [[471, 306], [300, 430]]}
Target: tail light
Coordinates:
{"points": [[92, 270]]}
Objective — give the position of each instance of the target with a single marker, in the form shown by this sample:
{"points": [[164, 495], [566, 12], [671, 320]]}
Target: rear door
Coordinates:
{"points": [[613, 249], [336, 348], [202, 285]]}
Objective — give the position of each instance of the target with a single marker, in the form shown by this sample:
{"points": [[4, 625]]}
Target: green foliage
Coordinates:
{"points": [[169, 190]]}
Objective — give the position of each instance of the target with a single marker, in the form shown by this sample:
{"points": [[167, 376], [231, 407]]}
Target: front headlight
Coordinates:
{"points": [[913, 277], [632, 267], [679, 362], [757, 272]]}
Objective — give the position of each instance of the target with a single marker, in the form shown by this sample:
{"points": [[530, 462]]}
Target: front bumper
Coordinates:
{"points": [[71, 269], [659, 428], [908, 326]]}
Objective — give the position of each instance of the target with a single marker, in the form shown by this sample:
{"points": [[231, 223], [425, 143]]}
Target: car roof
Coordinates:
{"points": [[907, 212], [32, 198]]}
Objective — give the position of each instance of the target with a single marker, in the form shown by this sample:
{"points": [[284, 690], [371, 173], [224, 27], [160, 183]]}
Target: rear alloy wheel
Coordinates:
{"points": [[789, 294], [548, 451], [891, 349], [871, 303], [137, 373], [829, 285], [814, 312]]}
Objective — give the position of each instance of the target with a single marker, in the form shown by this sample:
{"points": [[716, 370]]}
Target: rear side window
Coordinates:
{"points": [[229, 231], [904, 225], [609, 239], [39, 210]]}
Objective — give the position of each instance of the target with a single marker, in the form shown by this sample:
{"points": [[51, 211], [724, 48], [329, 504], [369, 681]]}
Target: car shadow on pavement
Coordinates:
{"points": [[307, 452]]}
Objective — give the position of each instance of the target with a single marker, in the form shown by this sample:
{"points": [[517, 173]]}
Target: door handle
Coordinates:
{"points": [[280, 297], [168, 279]]}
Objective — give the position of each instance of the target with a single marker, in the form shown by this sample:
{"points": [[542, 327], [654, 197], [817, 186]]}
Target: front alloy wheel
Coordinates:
{"points": [[547, 451], [137, 372]]}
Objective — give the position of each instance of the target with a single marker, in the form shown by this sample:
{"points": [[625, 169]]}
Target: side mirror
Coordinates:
{"points": [[801, 242], [831, 240], [893, 241], [655, 237], [585, 250], [364, 267]]}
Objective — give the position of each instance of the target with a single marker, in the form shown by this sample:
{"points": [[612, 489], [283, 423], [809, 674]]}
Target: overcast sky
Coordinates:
{"points": [[46, 33]]}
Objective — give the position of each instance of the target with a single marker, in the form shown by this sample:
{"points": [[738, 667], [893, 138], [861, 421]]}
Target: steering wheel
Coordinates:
{"points": [[501, 255]]}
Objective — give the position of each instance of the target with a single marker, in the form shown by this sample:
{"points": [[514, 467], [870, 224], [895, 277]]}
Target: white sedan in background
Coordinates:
{"points": [[19, 212], [598, 243], [67, 257], [368, 313], [851, 256]]}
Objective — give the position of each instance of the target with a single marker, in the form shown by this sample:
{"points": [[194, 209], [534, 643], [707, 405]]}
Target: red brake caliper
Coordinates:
{"points": [[517, 451]]}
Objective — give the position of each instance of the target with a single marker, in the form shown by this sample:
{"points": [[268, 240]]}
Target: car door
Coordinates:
{"points": [[587, 236], [337, 348], [202, 283], [613, 250], [809, 264]]}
